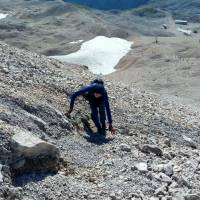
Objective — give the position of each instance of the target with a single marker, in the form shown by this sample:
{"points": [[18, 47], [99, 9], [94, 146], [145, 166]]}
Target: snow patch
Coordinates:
{"points": [[76, 42], [186, 32], [100, 54], [2, 16]]}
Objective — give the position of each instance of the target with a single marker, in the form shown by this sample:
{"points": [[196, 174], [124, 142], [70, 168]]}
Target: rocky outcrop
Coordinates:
{"points": [[31, 153]]}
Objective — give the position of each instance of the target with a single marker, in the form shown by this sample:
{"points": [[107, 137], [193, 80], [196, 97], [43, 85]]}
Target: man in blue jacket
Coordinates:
{"points": [[97, 96]]}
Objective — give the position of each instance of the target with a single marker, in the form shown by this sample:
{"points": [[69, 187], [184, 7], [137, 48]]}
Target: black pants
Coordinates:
{"points": [[98, 115]]}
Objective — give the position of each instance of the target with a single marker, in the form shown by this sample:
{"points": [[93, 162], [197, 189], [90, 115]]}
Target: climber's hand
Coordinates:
{"points": [[111, 129], [68, 114]]}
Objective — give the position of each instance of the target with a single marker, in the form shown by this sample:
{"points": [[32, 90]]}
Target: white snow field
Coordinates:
{"points": [[100, 54], [2, 16]]}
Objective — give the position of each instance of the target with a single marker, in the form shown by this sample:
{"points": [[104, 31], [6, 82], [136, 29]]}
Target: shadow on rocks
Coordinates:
{"points": [[94, 137], [35, 177], [97, 138]]}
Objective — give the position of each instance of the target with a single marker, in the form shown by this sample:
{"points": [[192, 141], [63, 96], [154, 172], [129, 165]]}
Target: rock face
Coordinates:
{"points": [[31, 153]]}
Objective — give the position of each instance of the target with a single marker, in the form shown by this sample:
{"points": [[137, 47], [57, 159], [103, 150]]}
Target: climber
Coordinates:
{"points": [[96, 95]]}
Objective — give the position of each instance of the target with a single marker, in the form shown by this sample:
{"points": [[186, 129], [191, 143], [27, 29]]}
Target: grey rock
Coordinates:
{"points": [[192, 197], [167, 142], [125, 147], [190, 142], [141, 166], [113, 196], [164, 178], [160, 191], [168, 169], [182, 181], [151, 149], [32, 153]]}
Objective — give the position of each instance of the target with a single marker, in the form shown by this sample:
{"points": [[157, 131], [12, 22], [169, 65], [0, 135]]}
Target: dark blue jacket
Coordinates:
{"points": [[94, 87]]}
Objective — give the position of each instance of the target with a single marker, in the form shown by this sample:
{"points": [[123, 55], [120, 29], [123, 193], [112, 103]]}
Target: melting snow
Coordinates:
{"points": [[100, 54], [2, 16], [186, 32], [76, 42]]}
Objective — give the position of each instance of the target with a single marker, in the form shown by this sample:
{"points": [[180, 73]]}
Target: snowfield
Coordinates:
{"points": [[2, 16], [100, 54]]}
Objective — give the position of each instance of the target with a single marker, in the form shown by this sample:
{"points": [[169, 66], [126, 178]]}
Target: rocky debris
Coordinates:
{"points": [[31, 153], [10, 192], [125, 147], [161, 191], [163, 178], [167, 142], [113, 196], [192, 197], [151, 149], [190, 142], [33, 99], [165, 168], [182, 181]]}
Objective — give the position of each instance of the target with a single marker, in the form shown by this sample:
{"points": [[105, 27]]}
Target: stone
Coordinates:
{"points": [[168, 169], [92, 179], [32, 153], [151, 149], [190, 142], [192, 197], [182, 181], [142, 167], [167, 156], [167, 142], [154, 198], [164, 178], [125, 147], [174, 185], [160, 191], [113, 196]]}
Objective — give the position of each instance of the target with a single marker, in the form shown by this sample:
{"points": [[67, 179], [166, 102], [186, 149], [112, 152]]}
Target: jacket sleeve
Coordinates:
{"points": [[80, 92], [107, 105]]}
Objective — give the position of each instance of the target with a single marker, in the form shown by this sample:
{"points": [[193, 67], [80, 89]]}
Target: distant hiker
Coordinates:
{"points": [[96, 95]]}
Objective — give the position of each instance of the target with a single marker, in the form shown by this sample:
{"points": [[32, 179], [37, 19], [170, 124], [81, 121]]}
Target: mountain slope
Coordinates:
{"points": [[184, 9], [48, 27], [34, 93], [170, 67]]}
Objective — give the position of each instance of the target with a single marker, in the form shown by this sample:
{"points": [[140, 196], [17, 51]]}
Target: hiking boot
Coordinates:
{"points": [[103, 127], [102, 132]]}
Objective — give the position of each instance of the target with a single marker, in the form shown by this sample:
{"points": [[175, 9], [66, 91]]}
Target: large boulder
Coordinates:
{"points": [[30, 153], [151, 149]]}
